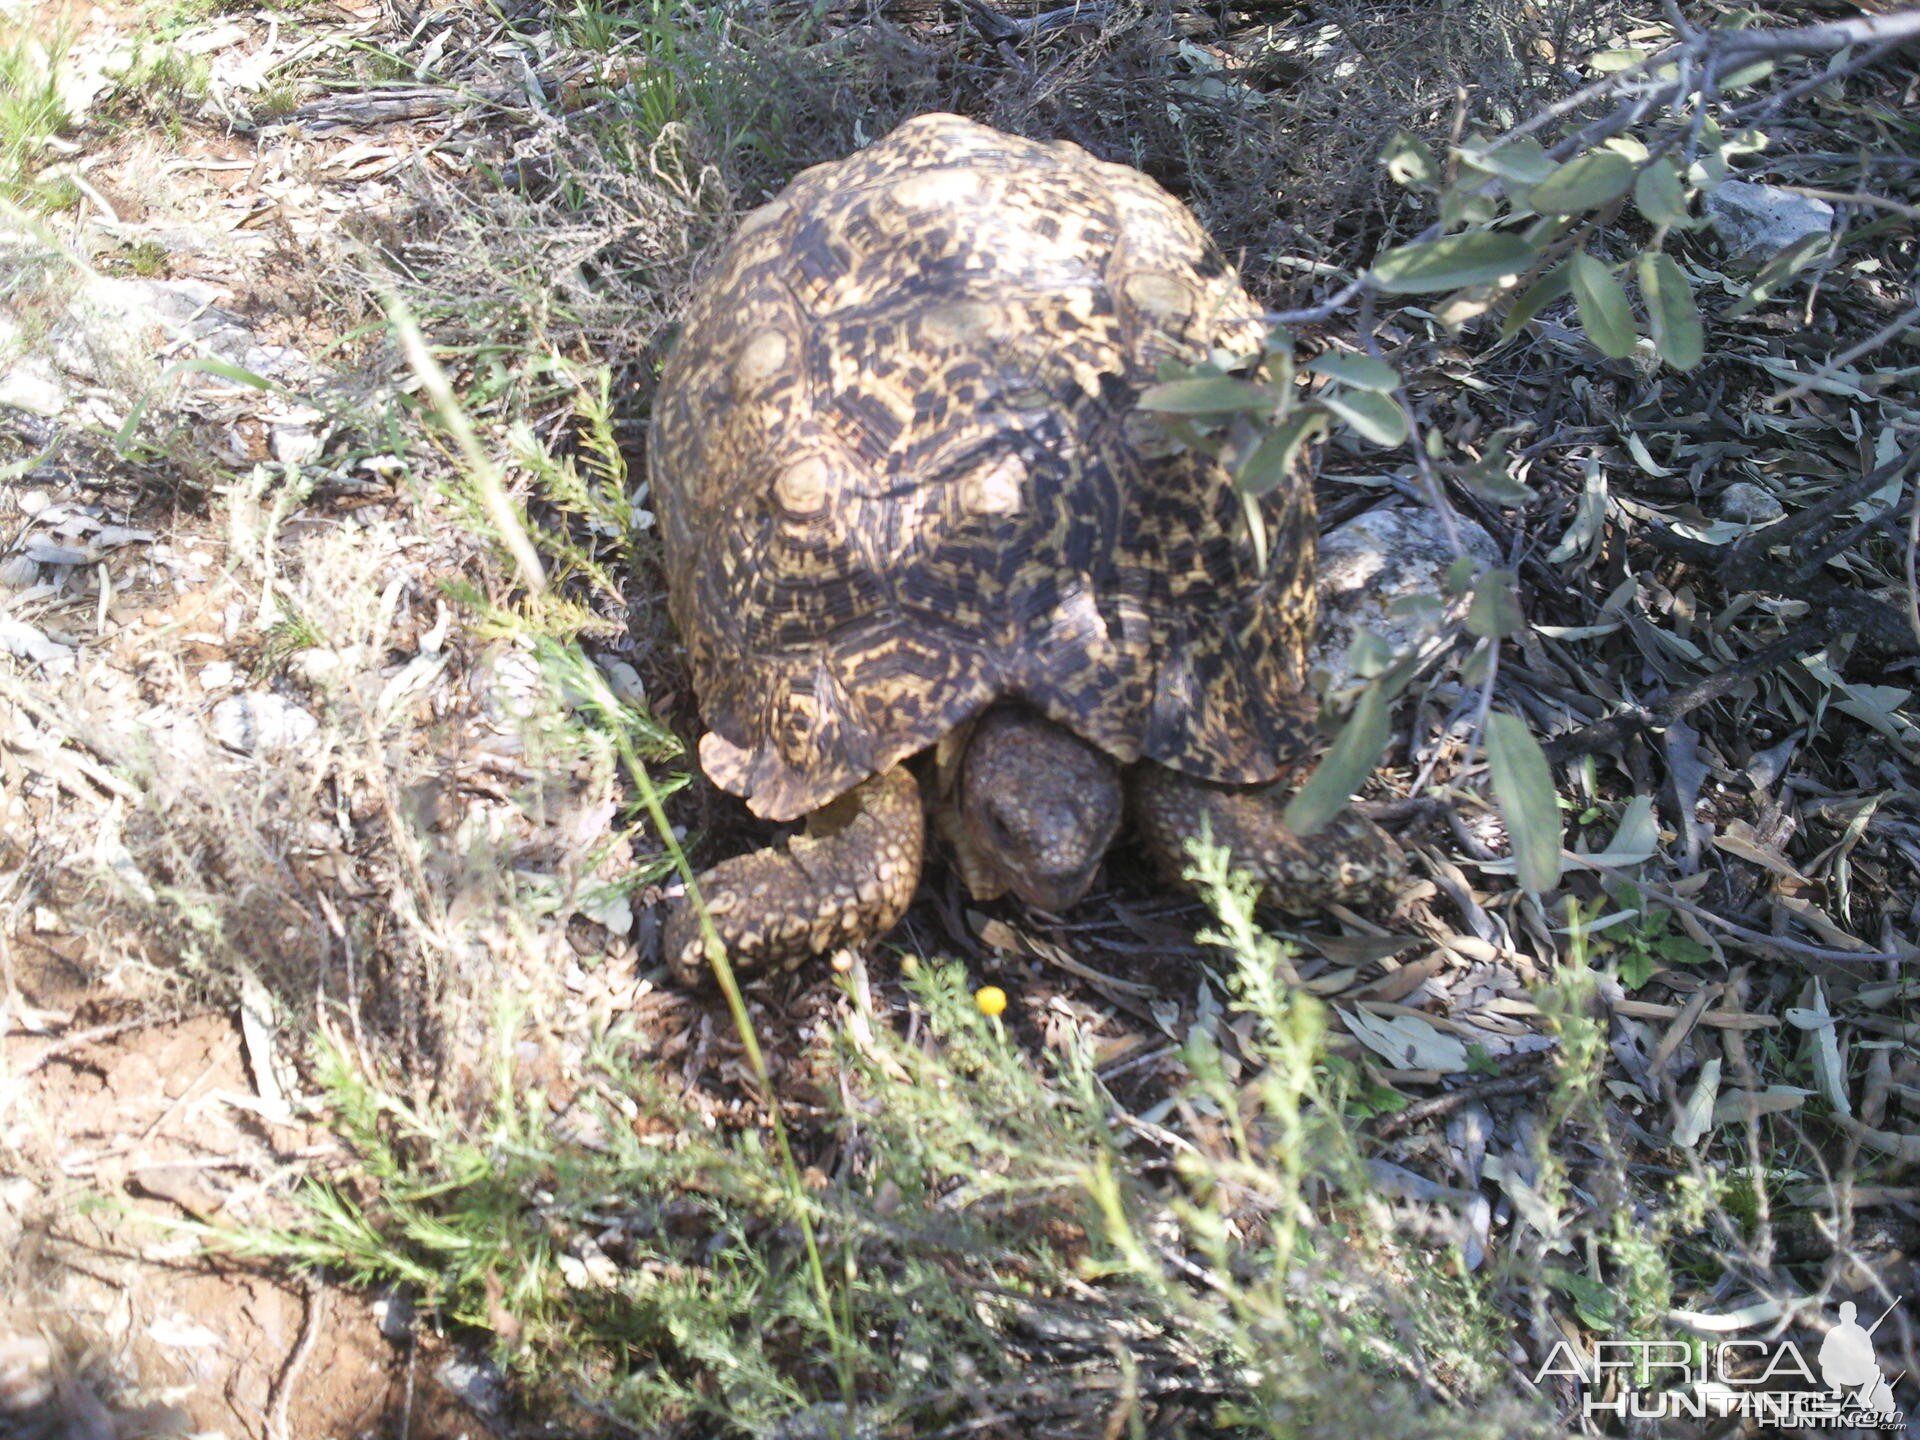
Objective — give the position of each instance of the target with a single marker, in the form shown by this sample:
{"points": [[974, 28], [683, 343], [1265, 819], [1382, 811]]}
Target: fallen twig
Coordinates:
{"points": [[1422, 1111]]}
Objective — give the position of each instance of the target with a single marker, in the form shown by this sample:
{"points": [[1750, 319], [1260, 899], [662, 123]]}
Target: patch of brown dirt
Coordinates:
{"points": [[113, 1322]]}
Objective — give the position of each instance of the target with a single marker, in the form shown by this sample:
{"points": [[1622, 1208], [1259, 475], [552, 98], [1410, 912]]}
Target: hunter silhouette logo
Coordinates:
{"points": [[1768, 1381], [1848, 1365]]}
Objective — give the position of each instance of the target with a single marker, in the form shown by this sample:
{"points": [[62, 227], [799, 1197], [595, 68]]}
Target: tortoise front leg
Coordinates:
{"points": [[847, 880], [1349, 861]]}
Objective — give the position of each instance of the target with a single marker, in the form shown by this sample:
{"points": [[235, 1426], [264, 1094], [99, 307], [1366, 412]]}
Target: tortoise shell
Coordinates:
{"points": [[900, 476]]}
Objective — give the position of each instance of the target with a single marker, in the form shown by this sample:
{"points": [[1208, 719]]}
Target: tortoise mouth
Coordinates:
{"points": [[1038, 807], [1055, 894]]}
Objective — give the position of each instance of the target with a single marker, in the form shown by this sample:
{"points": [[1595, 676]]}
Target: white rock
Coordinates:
{"points": [[314, 666], [509, 686], [625, 682], [30, 383], [1750, 504], [217, 676], [32, 502], [293, 444], [1392, 552], [260, 723], [275, 362], [174, 302], [1757, 222]]}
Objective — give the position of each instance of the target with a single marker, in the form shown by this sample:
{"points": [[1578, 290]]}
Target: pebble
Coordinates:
{"points": [[1389, 553], [1757, 222], [260, 722], [476, 1382], [1750, 504]]}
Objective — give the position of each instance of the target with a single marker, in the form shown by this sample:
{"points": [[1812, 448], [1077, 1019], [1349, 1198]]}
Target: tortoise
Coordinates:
{"points": [[908, 504]]}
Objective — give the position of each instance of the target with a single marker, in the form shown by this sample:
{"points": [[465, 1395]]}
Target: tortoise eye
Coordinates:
{"points": [[999, 829]]}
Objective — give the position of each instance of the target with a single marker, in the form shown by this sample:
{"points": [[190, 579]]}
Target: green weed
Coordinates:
{"points": [[31, 114]]}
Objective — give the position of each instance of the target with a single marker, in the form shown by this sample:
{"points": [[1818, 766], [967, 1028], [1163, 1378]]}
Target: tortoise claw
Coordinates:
{"points": [[847, 880]]}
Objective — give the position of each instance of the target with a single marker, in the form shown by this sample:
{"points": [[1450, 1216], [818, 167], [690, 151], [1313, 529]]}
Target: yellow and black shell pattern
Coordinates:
{"points": [[900, 475]]}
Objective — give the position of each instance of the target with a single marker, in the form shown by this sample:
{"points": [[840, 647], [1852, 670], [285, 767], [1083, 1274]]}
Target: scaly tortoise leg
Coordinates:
{"points": [[1349, 861], [848, 879]]}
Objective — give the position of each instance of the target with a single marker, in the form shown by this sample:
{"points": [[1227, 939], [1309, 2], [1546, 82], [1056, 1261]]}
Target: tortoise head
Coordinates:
{"points": [[1038, 806]]}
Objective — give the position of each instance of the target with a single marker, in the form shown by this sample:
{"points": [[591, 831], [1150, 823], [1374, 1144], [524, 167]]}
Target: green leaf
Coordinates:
{"points": [[1360, 371], [1464, 206], [1373, 416], [1612, 62], [1584, 183], [1489, 478], [1660, 194], [1490, 481], [1471, 259], [1523, 786], [1277, 366], [1522, 161], [1677, 332], [1494, 612], [1345, 768], [1211, 395], [1603, 306], [1778, 271], [1409, 162], [123, 437], [1272, 460], [1635, 966], [1751, 74], [1595, 1304], [1537, 296]]}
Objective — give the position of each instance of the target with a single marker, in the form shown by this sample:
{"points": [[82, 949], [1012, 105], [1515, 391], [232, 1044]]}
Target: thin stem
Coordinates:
{"points": [[1884, 335]]}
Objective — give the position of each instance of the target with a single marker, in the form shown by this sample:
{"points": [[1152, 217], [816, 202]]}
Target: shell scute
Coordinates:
{"points": [[901, 474]]}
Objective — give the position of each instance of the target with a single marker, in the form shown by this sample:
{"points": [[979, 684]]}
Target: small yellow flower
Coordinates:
{"points": [[991, 999]]}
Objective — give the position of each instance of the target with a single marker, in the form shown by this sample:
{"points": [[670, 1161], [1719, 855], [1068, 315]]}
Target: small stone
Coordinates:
{"points": [[475, 1382], [26, 1378], [625, 682], [393, 1313], [1392, 553], [32, 502], [260, 723], [31, 384], [1750, 504], [1756, 222], [314, 666], [293, 444], [217, 676]]}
